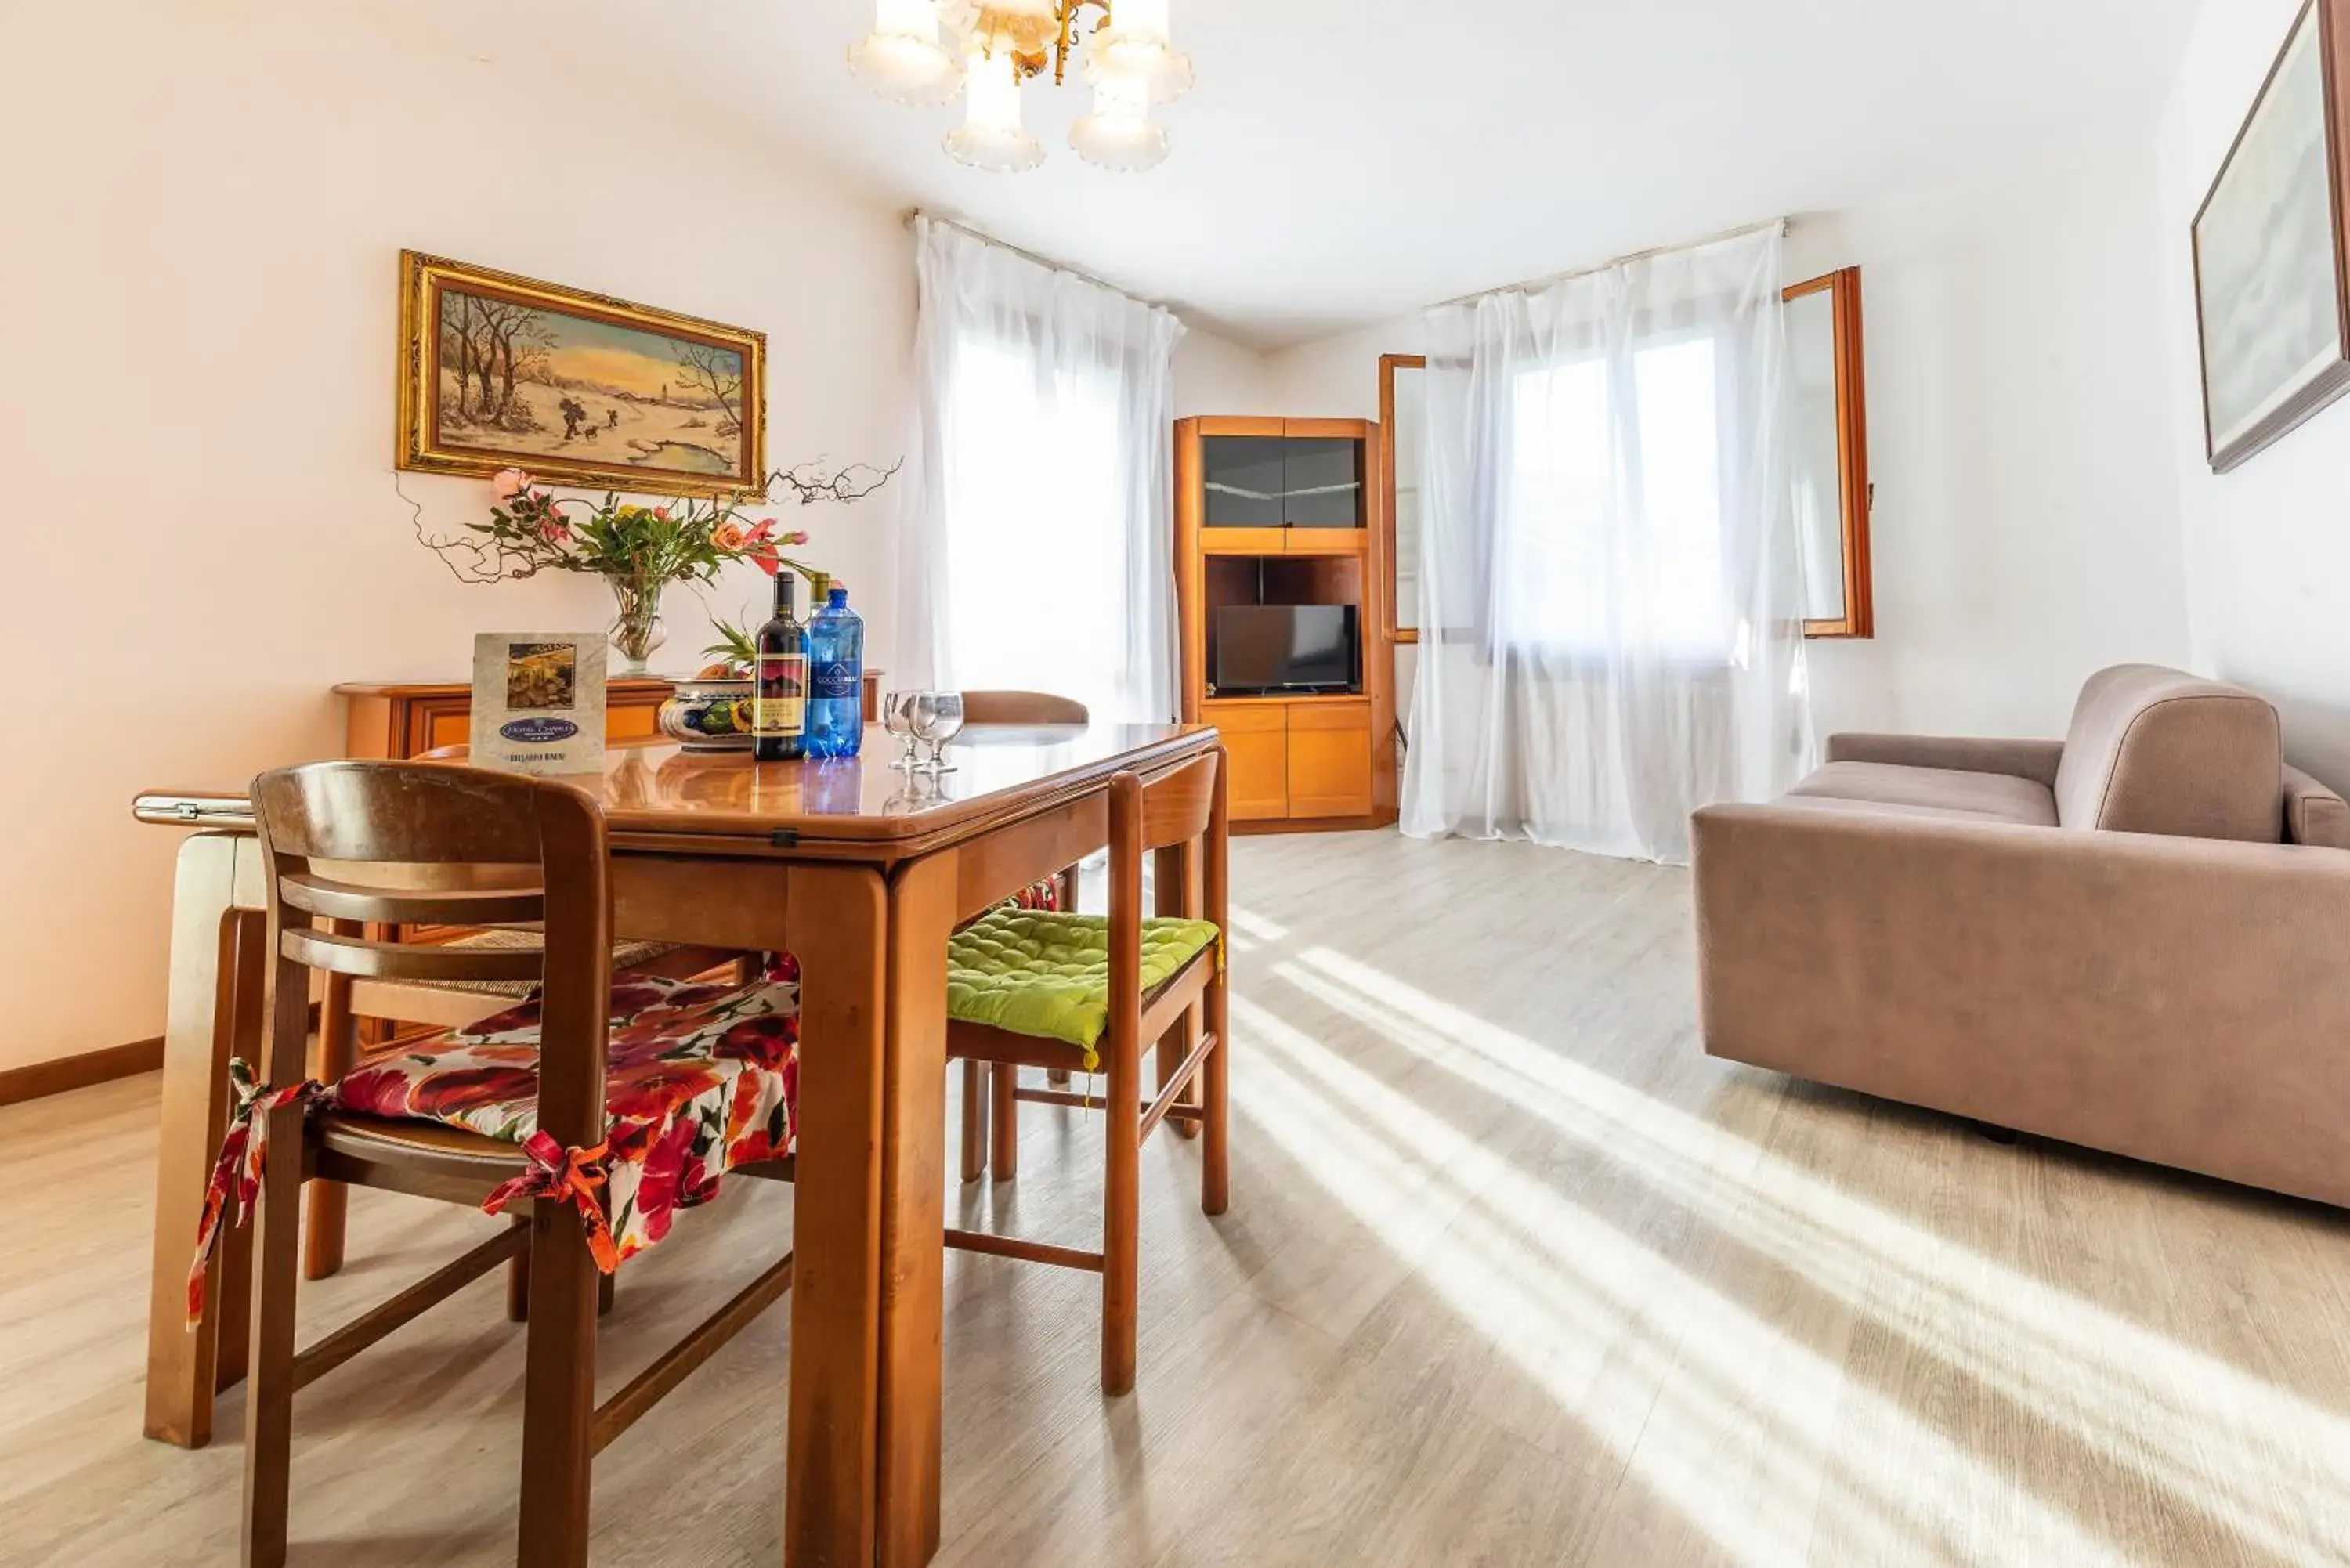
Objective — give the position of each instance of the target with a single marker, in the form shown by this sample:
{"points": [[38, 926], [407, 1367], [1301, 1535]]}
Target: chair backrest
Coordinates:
{"points": [[1021, 708], [351, 845], [1182, 809], [2159, 751]]}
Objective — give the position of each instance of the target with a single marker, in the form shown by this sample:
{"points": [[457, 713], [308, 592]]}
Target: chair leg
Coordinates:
{"points": [[1174, 1049], [1215, 1083], [974, 1120], [1005, 1108], [329, 1201], [558, 1392], [1121, 1208], [518, 1277], [269, 1372]]}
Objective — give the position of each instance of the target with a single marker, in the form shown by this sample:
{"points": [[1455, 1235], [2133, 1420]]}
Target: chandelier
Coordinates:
{"points": [[992, 48]]}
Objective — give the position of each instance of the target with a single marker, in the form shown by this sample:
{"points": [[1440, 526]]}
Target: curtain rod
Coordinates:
{"points": [[1782, 224], [1045, 262]]}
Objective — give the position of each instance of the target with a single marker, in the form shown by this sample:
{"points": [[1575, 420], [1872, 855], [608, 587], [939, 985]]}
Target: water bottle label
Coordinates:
{"points": [[840, 680]]}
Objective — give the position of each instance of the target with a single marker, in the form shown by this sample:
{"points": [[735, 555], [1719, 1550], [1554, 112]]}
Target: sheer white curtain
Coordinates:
{"points": [[1040, 553], [1611, 599]]}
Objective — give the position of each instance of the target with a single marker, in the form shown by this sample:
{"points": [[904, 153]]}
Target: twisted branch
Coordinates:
{"points": [[855, 483]]}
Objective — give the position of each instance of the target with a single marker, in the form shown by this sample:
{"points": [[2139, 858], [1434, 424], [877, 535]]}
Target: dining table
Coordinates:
{"points": [[861, 870]]}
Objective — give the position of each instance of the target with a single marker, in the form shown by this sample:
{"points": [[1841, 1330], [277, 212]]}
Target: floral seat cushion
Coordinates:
{"points": [[702, 1077], [1047, 975]]}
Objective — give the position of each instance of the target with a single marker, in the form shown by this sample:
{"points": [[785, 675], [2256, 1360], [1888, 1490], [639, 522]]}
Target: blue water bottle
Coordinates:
{"points": [[836, 710]]}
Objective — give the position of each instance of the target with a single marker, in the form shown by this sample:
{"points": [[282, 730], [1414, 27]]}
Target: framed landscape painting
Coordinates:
{"points": [[2271, 285], [499, 371]]}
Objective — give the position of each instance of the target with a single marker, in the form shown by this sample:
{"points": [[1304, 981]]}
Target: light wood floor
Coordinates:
{"points": [[1514, 1275]]}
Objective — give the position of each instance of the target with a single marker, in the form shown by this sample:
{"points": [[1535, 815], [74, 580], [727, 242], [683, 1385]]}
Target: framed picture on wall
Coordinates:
{"points": [[2272, 284], [498, 372]]}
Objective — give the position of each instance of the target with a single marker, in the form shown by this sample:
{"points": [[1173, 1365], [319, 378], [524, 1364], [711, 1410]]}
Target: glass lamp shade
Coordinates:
{"points": [[901, 59], [1135, 45], [992, 137], [1118, 135]]}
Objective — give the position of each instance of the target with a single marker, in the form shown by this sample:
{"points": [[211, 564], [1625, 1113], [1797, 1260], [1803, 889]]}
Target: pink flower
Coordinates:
{"points": [[554, 530], [729, 536], [661, 512], [796, 536], [765, 559], [509, 483]]}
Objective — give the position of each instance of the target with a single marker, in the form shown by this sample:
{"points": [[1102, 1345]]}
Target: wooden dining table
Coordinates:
{"points": [[863, 873]]}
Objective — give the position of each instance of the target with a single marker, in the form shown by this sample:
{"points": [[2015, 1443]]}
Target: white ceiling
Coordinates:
{"points": [[1343, 162]]}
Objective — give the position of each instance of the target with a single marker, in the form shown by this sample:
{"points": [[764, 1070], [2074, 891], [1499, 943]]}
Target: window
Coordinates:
{"points": [[1612, 530], [1035, 526]]}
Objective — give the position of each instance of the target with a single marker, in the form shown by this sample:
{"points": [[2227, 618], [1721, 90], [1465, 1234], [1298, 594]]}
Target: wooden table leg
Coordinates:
{"points": [[836, 917], [217, 873], [913, 1181]]}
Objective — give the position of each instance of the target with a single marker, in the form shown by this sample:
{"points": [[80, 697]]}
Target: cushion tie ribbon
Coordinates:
{"points": [[573, 1176], [236, 1173]]}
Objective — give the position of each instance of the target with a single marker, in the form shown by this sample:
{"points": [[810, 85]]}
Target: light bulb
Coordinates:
{"points": [[1118, 135], [1136, 44], [901, 59], [992, 137]]}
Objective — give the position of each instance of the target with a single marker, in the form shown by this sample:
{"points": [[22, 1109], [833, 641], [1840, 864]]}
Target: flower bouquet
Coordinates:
{"points": [[639, 549]]}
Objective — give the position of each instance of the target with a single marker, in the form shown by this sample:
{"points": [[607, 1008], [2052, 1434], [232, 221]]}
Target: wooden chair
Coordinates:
{"points": [[381, 844], [358, 1019], [1182, 810], [1009, 708]]}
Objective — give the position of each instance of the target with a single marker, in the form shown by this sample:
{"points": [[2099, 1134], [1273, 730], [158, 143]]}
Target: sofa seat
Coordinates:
{"points": [[1928, 791]]}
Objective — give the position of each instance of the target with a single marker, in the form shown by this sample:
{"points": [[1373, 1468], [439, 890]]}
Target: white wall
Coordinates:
{"points": [[2267, 546], [2024, 507], [2022, 531], [203, 210]]}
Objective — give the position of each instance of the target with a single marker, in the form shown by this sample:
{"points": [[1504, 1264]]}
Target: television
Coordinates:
{"points": [[1263, 648]]}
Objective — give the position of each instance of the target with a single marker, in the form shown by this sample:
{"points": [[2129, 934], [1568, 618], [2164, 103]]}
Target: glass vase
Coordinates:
{"points": [[637, 630]]}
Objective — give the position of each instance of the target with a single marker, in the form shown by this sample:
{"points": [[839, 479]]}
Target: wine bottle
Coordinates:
{"points": [[835, 712], [779, 697]]}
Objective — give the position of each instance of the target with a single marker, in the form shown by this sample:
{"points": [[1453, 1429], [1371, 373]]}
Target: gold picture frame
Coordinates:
{"points": [[499, 371]]}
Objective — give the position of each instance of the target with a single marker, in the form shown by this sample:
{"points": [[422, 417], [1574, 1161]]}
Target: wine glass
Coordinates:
{"points": [[898, 718], [921, 721], [946, 723]]}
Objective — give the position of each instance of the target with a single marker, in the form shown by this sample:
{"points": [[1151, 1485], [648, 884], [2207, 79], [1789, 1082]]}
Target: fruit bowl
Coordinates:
{"points": [[710, 714]]}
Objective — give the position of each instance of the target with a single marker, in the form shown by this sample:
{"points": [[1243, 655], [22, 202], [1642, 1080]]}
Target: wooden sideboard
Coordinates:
{"points": [[407, 719]]}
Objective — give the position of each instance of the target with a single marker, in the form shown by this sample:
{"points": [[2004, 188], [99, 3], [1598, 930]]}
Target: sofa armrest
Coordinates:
{"points": [[2033, 760], [2314, 814], [2177, 1000]]}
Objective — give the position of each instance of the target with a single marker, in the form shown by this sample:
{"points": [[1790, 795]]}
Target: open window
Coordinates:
{"points": [[1403, 421], [1830, 467]]}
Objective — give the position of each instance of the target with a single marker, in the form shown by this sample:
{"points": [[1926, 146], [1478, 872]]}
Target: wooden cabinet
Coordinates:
{"points": [[1272, 512], [400, 720], [409, 718], [1329, 759], [1301, 759], [1256, 747]]}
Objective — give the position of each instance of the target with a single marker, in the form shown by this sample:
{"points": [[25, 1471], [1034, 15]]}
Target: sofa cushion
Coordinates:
{"points": [[2314, 814], [2156, 751], [1930, 792]]}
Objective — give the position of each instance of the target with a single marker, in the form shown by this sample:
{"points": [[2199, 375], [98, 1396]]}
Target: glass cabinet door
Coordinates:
{"points": [[1324, 483], [1243, 477]]}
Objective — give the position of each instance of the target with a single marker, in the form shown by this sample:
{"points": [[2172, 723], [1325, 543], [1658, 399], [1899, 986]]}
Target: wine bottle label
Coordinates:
{"points": [[837, 680], [779, 705]]}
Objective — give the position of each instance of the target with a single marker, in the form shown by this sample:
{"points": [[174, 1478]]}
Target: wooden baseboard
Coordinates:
{"points": [[1312, 825], [60, 1073]]}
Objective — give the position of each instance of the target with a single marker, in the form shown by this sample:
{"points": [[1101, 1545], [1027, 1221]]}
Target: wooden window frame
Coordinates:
{"points": [[1388, 365], [1859, 618]]}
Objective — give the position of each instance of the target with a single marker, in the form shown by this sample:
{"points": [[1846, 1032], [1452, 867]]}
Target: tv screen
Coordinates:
{"points": [[1284, 647]]}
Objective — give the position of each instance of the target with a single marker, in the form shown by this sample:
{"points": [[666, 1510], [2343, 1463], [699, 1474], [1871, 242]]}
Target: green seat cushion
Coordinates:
{"points": [[1035, 973]]}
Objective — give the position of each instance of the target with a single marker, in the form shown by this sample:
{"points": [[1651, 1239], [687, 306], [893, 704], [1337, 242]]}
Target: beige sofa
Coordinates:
{"points": [[2136, 939]]}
